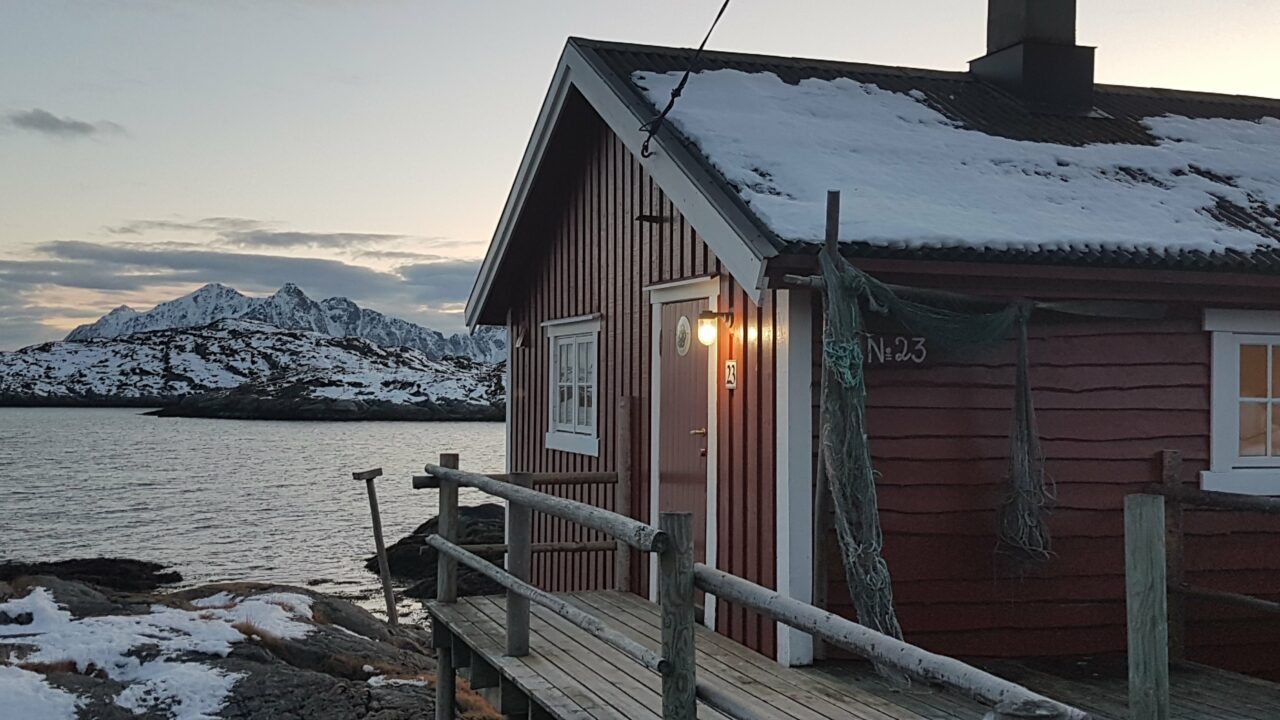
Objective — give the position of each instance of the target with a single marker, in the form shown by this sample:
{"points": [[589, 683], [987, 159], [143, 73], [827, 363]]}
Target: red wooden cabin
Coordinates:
{"points": [[603, 261]]}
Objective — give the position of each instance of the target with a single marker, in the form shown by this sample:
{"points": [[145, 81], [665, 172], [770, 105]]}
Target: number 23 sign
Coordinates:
{"points": [[896, 349]]}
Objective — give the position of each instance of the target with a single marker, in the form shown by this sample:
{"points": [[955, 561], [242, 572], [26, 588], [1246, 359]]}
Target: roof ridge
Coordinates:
{"points": [[764, 58], [904, 70]]}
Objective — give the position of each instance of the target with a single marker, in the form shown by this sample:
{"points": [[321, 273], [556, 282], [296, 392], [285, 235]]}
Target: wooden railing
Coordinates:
{"points": [[1156, 587], [678, 575]]}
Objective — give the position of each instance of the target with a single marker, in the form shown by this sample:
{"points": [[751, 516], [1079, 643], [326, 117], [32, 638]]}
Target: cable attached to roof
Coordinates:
{"points": [[651, 128]]}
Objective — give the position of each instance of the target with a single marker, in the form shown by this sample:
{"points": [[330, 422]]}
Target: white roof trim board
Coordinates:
{"points": [[730, 233]]}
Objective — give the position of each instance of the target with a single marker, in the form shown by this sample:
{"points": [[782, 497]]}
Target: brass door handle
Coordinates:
{"points": [[699, 431]]}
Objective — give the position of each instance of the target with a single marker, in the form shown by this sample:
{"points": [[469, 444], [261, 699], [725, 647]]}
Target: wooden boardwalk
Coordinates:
{"points": [[570, 675]]}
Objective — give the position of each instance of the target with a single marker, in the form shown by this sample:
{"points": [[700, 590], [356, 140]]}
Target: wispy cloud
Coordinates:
{"points": [[44, 122]]}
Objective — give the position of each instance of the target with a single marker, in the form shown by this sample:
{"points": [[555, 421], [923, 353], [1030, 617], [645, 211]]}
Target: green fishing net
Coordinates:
{"points": [[845, 453]]}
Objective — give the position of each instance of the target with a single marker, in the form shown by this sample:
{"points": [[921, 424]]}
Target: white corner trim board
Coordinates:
{"points": [[793, 342]]}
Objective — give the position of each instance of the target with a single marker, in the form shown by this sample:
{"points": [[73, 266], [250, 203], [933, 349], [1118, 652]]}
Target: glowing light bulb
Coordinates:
{"points": [[707, 328]]}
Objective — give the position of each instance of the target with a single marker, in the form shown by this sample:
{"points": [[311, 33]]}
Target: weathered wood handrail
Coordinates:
{"points": [[841, 632], [632, 532], [1230, 598], [673, 543], [589, 623], [1219, 500], [551, 479], [537, 548]]}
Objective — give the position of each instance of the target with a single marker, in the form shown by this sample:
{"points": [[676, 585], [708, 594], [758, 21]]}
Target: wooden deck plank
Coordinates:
{"points": [[515, 670], [869, 695], [648, 685], [743, 666], [570, 675], [624, 693], [710, 670], [590, 704]]}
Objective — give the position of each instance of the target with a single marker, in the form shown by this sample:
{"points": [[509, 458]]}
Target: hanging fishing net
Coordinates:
{"points": [[845, 453]]}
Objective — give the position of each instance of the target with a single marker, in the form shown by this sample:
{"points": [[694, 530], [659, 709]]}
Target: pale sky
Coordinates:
{"points": [[365, 147]]}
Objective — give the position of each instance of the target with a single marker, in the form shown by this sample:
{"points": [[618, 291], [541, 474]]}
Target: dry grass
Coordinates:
{"points": [[470, 705]]}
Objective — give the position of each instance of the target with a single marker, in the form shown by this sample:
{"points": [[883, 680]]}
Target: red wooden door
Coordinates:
{"points": [[682, 454]]}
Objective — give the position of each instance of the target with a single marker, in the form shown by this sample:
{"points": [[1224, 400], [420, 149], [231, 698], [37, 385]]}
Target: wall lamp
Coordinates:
{"points": [[708, 325]]}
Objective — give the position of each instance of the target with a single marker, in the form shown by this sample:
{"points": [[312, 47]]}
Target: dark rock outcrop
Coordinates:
{"points": [[111, 573], [411, 559], [244, 403]]}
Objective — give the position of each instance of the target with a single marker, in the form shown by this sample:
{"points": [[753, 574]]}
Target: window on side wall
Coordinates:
{"points": [[573, 356], [1244, 452]]}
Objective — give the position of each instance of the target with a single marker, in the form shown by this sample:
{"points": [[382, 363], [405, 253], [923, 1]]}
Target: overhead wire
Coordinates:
{"points": [[652, 127]]}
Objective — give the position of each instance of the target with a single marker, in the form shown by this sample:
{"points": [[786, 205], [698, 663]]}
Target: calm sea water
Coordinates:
{"points": [[221, 499]]}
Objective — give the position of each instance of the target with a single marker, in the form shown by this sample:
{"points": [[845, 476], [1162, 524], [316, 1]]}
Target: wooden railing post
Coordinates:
{"points": [[675, 590], [519, 562], [446, 587], [622, 494], [384, 571], [1146, 591], [1171, 479]]}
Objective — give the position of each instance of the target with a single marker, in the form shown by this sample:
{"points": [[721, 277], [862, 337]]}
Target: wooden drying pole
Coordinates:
{"points": [[368, 476]]}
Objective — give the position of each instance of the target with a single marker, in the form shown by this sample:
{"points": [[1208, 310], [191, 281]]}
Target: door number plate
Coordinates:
{"points": [[730, 374]]}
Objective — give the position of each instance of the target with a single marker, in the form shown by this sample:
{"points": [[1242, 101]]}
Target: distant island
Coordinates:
{"points": [[218, 353]]}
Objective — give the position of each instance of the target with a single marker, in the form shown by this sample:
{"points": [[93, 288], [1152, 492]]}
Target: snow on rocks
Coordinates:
{"points": [[29, 696], [151, 654], [914, 178]]}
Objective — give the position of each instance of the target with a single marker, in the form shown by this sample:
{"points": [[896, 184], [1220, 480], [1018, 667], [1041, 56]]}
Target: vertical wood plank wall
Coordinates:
{"points": [[1109, 395], [590, 254]]}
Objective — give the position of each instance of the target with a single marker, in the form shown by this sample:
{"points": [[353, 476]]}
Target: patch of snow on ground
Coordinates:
{"points": [[188, 690], [28, 696], [911, 177]]}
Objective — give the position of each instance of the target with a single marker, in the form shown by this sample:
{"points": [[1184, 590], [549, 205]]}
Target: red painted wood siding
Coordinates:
{"points": [[747, 465], [1109, 395], [586, 253]]}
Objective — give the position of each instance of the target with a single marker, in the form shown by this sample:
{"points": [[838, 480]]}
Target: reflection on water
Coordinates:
{"points": [[220, 499]]}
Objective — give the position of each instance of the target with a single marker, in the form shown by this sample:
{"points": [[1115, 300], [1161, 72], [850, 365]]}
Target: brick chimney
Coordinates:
{"points": [[1032, 52]]}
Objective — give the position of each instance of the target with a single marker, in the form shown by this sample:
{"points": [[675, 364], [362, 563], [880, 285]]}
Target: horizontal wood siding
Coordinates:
{"points": [[1109, 395], [601, 231]]}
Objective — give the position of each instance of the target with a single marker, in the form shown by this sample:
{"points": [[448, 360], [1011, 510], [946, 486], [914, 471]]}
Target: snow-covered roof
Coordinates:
{"points": [[940, 164], [931, 164], [912, 177]]}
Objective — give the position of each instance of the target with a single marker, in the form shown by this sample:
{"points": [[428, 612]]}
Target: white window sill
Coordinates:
{"points": [[574, 443], [1257, 481]]}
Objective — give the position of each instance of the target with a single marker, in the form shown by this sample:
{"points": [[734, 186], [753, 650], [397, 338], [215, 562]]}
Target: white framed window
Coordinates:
{"points": [[1244, 450], [573, 360]]}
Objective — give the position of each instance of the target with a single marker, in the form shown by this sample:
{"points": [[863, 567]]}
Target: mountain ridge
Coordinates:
{"points": [[281, 373], [290, 308]]}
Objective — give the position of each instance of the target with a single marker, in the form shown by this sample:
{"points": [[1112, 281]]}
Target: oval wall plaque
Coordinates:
{"points": [[684, 336]]}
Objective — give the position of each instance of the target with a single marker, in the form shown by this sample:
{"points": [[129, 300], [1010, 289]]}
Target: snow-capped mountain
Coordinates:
{"points": [[289, 308], [166, 365]]}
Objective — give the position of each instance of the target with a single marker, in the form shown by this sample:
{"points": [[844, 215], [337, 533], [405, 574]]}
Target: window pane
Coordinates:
{"points": [[586, 362], [584, 408], [566, 362], [1253, 371], [565, 412], [1253, 429], [1275, 430], [1275, 370]]}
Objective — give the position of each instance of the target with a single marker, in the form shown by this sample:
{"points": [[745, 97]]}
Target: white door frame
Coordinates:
{"points": [[705, 288]]}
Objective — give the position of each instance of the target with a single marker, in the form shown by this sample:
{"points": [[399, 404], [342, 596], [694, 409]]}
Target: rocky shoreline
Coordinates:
{"points": [[247, 407], [98, 638]]}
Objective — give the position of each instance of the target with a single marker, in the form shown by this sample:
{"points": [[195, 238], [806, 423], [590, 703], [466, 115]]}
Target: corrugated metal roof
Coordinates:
{"points": [[980, 106]]}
